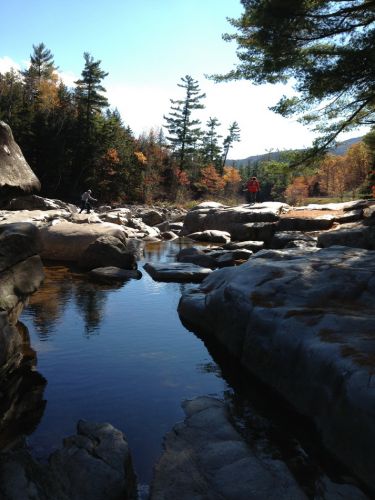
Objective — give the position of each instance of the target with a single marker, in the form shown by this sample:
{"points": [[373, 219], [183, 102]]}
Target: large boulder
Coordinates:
{"points": [[15, 173], [107, 251], [67, 241], [304, 323], [231, 219]]}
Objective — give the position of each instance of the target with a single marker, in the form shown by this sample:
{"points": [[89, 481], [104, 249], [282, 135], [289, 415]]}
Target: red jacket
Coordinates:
{"points": [[253, 186]]}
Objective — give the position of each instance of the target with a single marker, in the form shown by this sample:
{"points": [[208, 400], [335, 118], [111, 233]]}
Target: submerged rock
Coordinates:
{"points": [[113, 274]]}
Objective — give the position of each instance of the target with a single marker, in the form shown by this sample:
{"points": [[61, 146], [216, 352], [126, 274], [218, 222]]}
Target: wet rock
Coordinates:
{"points": [[304, 323], [113, 274], [254, 246], [178, 272], [206, 458]]}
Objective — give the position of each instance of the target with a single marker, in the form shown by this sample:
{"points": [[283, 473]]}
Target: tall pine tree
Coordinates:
{"points": [[184, 131]]}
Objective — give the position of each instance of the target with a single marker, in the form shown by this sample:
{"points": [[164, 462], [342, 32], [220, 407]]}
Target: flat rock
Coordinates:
{"points": [[357, 235], [179, 272]]}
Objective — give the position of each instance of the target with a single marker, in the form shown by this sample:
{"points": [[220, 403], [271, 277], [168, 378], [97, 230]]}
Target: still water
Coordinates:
{"points": [[118, 355]]}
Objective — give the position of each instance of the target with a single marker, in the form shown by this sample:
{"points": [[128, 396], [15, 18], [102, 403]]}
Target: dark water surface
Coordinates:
{"points": [[118, 355]]}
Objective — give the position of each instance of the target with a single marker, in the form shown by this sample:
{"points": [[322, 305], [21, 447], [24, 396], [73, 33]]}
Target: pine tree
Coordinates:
{"points": [[233, 136], [210, 144], [184, 131], [89, 90], [90, 102], [325, 47]]}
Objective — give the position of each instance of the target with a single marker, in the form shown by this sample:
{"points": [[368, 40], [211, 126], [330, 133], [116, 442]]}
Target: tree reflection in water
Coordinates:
{"points": [[61, 286], [90, 302], [22, 388]]}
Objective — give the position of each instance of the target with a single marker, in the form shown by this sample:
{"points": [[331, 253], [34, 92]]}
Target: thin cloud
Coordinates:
{"points": [[6, 64]]}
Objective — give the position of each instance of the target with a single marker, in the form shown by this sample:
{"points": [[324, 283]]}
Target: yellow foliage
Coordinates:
{"points": [[231, 175], [47, 94], [140, 157]]}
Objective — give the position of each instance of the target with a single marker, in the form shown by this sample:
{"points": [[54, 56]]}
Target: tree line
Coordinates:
{"points": [[73, 140]]}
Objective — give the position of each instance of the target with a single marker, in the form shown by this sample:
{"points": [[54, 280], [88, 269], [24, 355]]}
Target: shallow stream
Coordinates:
{"points": [[120, 354]]}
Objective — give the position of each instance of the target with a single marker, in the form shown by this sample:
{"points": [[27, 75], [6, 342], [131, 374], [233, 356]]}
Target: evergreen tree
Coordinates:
{"points": [[326, 47], [233, 136], [210, 144], [90, 102], [42, 67], [89, 90], [184, 131]]}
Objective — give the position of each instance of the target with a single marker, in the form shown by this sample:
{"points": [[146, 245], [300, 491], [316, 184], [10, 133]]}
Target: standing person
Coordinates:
{"points": [[85, 201], [253, 187]]}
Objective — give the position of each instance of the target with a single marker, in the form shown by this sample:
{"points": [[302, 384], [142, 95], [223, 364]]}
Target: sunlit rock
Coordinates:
{"points": [[67, 241], [304, 323]]}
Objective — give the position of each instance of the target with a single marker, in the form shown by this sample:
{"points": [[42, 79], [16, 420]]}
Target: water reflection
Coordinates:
{"points": [[22, 388], [271, 426], [62, 287]]}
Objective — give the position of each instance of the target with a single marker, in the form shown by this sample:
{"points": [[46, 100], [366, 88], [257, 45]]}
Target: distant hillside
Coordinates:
{"points": [[340, 149]]}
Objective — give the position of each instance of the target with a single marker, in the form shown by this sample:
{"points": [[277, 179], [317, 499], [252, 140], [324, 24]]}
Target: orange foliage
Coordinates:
{"points": [[210, 181], [232, 175], [140, 157], [181, 177], [297, 191], [111, 156]]}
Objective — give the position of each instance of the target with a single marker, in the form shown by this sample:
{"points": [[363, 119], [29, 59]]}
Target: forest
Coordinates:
{"points": [[73, 140]]}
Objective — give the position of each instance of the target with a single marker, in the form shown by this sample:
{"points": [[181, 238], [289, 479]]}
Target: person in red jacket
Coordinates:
{"points": [[253, 187]]}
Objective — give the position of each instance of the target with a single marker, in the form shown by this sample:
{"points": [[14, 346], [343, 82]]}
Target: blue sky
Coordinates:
{"points": [[146, 46]]}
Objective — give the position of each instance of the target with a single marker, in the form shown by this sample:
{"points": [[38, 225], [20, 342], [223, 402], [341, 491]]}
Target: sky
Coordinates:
{"points": [[147, 46]]}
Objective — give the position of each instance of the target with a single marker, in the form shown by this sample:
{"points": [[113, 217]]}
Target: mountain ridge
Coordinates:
{"points": [[339, 149]]}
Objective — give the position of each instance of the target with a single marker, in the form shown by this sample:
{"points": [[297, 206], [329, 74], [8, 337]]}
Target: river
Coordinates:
{"points": [[120, 354]]}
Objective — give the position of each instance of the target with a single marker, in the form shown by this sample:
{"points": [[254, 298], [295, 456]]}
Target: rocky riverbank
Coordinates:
{"points": [[291, 308]]}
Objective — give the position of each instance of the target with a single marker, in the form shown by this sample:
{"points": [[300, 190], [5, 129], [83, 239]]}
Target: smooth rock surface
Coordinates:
{"points": [[179, 272], [304, 323], [205, 458]]}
